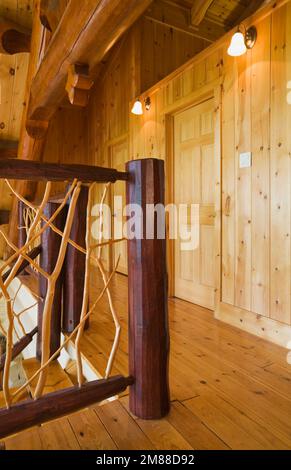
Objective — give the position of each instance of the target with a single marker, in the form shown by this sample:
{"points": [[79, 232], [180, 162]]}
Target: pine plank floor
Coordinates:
{"points": [[229, 389]]}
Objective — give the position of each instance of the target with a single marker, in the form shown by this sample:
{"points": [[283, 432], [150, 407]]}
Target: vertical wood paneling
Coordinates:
{"points": [[256, 207], [280, 165], [228, 182], [243, 184], [260, 135]]}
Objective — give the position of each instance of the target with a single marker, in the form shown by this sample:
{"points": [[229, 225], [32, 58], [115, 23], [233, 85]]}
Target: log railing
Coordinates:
{"points": [[64, 244]]}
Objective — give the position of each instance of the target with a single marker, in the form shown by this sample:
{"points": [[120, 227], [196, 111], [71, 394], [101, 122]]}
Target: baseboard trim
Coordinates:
{"points": [[258, 325]]}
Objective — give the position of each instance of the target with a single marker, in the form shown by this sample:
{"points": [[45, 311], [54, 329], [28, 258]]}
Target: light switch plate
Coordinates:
{"points": [[245, 160]]}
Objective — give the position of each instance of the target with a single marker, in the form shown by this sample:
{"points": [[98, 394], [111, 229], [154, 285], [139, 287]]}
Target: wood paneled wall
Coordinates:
{"points": [[255, 117], [13, 72], [255, 210]]}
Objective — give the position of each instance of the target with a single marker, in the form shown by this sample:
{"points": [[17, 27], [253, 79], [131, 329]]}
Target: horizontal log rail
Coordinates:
{"points": [[19, 347], [57, 404], [17, 169], [25, 263]]}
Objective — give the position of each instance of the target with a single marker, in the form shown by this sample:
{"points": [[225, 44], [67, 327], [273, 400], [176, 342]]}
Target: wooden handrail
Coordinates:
{"points": [[19, 347], [17, 169], [57, 404]]}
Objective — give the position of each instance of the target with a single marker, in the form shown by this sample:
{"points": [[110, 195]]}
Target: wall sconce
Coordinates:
{"points": [[137, 108], [240, 42], [147, 103]]}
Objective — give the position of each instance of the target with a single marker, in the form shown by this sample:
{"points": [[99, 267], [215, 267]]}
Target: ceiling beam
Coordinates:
{"points": [[178, 18], [13, 38], [199, 11], [84, 36], [252, 7], [51, 12], [8, 149]]}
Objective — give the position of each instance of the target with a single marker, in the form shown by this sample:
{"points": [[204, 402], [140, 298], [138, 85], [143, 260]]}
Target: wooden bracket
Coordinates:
{"points": [[79, 84]]}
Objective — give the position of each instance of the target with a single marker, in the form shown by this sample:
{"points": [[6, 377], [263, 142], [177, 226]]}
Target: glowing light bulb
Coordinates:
{"points": [[137, 108], [237, 46]]}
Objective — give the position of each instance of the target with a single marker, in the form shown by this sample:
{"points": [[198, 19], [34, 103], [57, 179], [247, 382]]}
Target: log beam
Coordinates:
{"points": [[41, 171], [51, 12], [28, 148], [13, 38], [90, 32], [199, 11], [55, 405]]}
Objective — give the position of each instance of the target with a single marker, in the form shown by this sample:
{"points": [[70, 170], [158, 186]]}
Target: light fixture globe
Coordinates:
{"points": [[237, 46], [137, 108]]}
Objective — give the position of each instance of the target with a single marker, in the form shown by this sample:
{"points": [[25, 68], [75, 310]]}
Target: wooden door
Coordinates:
{"points": [[194, 184], [119, 157]]}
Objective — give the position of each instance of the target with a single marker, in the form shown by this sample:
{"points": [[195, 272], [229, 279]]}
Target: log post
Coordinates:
{"points": [[50, 243], [148, 297], [74, 268]]}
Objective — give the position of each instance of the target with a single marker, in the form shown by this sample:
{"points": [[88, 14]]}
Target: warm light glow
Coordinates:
{"points": [[237, 46], [137, 108]]}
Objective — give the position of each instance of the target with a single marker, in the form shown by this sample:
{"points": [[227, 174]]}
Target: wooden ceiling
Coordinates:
{"points": [[19, 11], [215, 17]]}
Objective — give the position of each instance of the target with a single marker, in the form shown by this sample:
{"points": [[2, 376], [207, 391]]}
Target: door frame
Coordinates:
{"points": [[204, 95]]}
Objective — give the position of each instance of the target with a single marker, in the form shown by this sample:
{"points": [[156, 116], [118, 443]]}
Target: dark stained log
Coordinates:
{"points": [[90, 32], [19, 347], [33, 254], [8, 149], [4, 216], [51, 12], [50, 243], [148, 294], [74, 268], [13, 38], [55, 405], [42, 171]]}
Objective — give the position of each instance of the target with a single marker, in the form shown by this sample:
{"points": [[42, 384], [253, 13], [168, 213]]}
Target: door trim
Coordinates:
{"points": [[216, 94]]}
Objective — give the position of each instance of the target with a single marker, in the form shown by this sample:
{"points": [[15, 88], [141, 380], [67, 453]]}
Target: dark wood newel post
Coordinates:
{"points": [[148, 298], [74, 267], [50, 244]]}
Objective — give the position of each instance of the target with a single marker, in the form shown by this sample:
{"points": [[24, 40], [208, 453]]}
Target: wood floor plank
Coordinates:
{"points": [[193, 430], [255, 432], [231, 389], [123, 429], [58, 435], [161, 433], [27, 440], [90, 432]]}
